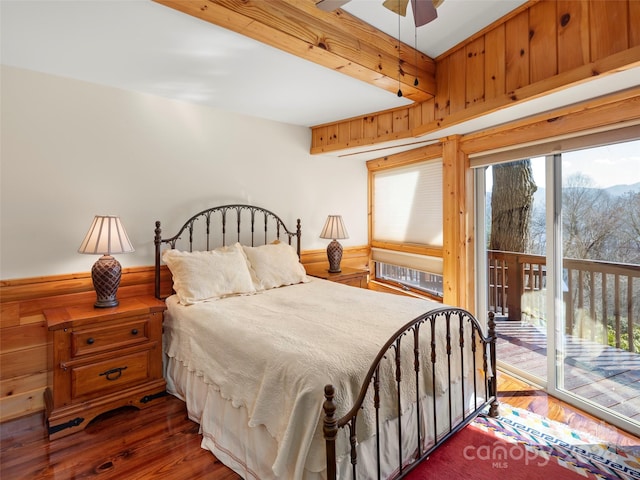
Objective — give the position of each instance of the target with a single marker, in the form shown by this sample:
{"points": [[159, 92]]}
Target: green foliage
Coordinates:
{"points": [[624, 337]]}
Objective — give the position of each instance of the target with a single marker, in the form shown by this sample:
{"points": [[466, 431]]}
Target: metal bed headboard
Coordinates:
{"points": [[264, 227]]}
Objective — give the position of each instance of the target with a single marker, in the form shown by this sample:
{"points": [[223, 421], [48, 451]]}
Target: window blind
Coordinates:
{"points": [[407, 204], [407, 209]]}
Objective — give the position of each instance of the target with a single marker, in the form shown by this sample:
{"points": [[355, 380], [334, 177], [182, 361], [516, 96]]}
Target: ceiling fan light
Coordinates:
{"points": [[397, 6], [330, 5]]}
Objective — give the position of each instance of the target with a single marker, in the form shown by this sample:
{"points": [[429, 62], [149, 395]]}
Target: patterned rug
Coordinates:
{"points": [[520, 445], [580, 452]]}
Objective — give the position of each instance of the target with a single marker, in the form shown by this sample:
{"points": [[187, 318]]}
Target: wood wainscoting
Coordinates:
{"points": [[25, 370]]}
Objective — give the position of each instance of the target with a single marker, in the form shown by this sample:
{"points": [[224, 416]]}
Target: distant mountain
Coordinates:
{"points": [[615, 191], [618, 190]]}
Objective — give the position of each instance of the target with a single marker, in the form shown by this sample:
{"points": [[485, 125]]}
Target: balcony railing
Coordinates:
{"points": [[602, 299]]}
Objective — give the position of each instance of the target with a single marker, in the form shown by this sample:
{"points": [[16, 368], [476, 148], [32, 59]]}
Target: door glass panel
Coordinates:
{"points": [[600, 332], [516, 263]]}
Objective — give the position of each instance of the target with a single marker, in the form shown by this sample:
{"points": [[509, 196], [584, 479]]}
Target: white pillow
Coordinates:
{"points": [[199, 276], [275, 265]]}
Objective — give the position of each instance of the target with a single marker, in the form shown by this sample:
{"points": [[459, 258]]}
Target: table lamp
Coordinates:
{"points": [[334, 229], [106, 236]]}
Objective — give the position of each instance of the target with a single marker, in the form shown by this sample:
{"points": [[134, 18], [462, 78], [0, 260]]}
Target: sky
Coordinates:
{"points": [[610, 165]]}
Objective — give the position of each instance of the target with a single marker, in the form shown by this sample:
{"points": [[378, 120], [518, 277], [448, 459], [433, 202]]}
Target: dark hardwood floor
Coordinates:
{"points": [[161, 443]]}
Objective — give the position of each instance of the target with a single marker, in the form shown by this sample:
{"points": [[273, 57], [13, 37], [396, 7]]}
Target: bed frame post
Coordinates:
{"points": [[330, 429], [299, 235], [493, 386], [157, 240]]}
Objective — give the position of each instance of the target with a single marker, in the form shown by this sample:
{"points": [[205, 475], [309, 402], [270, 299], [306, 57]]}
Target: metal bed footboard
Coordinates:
{"points": [[460, 327]]}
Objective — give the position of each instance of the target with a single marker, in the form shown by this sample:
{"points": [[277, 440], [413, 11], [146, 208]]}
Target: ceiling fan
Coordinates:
{"points": [[424, 11]]}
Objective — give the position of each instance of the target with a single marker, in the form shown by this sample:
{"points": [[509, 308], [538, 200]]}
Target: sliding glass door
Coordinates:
{"points": [[560, 266]]}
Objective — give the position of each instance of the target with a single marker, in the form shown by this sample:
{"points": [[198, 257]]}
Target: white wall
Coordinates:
{"points": [[71, 150]]}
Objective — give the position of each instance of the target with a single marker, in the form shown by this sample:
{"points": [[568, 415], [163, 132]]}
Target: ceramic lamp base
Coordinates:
{"points": [[106, 274], [334, 254]]}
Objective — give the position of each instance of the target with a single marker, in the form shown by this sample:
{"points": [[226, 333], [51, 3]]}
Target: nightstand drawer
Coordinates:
{"points": [[100, 339], [109, 374]]}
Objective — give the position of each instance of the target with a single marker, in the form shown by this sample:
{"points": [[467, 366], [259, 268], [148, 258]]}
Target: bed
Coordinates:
{"points": [[295, 377]]}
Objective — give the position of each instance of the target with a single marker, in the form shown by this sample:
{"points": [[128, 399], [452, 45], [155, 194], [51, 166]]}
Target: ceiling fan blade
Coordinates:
{"points": [[423, 12], [397, 6]]}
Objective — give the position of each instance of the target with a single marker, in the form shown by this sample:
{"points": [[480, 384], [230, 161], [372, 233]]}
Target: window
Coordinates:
{"points": [[406, 226], [408, 278]]}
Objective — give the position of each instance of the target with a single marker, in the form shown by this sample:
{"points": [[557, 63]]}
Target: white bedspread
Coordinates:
{"points": [[274, 352]]}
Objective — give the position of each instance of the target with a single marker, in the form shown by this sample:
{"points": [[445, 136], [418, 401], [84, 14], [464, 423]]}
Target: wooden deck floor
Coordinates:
{"points": [[607, 376]]}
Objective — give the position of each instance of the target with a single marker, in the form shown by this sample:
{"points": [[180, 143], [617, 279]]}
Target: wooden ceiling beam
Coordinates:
{"points": [[334, 40]]}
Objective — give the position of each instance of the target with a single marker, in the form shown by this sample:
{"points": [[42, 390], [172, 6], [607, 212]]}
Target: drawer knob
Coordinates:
{"points": [[114, 373], [134, 331], [90, 340]]}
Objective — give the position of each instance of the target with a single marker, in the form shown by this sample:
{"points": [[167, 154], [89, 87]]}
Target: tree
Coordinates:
{"points": [[538, 235], [511, 206], [590, 221], [628, 234]]}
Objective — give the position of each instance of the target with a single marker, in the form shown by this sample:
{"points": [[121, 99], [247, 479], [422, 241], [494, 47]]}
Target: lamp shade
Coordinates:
{"points": [[106, 235], [334, 228]]}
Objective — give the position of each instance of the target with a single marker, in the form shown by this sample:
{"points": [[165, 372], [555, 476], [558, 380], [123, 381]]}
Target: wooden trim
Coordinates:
{"points": [[409, 248], [457, 266], [422, 154], [469, 238], [610, 111], [356, 257], [55, 285], [595, 137]]}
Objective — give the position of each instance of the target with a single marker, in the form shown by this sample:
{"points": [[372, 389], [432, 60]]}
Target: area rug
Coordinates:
{"points": [[520, 445]]}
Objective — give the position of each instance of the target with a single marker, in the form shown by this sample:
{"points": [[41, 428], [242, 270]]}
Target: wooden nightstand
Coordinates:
{"points": [[356, 277], [102, 359]]}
